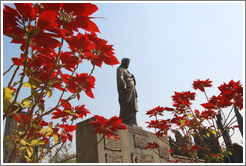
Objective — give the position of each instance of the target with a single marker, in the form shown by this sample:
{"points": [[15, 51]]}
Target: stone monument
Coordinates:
{"points": [[129, 149]]}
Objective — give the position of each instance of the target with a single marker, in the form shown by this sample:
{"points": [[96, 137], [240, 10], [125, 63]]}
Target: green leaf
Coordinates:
{"points": [[34, 142], [41, 106], [27, 104], [28, 159], [189, 115], [49, 93], [67, 111], [74, 114], [213, 132], [47, 131], [7, 96], [28, 85], [40, 143], [54, 81], [7, 91], [23, 142], [27, 99], [36, 126], [55, 138], [22, 148], [230, 153], [183, 122], [48, 134], [43, 131], [36, 79], [6, 104]]}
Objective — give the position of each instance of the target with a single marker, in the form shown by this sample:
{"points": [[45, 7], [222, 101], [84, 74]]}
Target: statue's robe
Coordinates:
{"points": [[127, 97]]}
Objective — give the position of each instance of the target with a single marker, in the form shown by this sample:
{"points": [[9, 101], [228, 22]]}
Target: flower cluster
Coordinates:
{"points": [[191, 122], [42, 30], [153, 145], [198, 84], [107, 127]]}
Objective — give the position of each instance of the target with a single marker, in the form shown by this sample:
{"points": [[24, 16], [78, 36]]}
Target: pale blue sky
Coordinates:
{"points": [[170, 45]]}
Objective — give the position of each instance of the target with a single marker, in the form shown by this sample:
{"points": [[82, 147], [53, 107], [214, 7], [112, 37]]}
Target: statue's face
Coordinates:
{"points": [[126, 64]]}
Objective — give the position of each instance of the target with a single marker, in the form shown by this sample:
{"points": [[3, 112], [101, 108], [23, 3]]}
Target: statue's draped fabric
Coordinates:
{"points": [[128, 96]]}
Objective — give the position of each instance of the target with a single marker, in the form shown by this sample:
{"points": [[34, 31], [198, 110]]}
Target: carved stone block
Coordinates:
{"points": [[164, 153], [140, 141], [112, 144], [113, 158], [142, 158]]}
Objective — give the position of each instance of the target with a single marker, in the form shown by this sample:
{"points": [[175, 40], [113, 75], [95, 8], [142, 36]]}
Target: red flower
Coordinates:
{"points": [[153, 145], [198, 84], [217, 102], [155, 111], [81, 111], [169, 109], [103, 51], [67, 129], [233, 90], [68, 61], [11, 23], [153, 124], [27, 10], [80, 43], [208, 114], [79, 80], [60, 114], [75, 112], [44, 42], [107, 127], [181, 100], [74, 15], [80, 12]]}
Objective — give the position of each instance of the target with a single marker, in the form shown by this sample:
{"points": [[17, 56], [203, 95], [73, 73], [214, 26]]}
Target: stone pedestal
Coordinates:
{"points": [[129, 149]]}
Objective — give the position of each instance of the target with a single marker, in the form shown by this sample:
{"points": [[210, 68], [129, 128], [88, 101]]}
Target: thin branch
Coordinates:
{"points": [[8, 69], [7, 112], [47, 81], [228, 124], [68, 83], [58, 149], [228, 116]]}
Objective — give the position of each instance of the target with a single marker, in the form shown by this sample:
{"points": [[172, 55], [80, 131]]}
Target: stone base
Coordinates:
{"points": [[129, 149]]}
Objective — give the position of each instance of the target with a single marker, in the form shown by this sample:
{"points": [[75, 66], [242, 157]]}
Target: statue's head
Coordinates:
{"points": [[125, 62]]}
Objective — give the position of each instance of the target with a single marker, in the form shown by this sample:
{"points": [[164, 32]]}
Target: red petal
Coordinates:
{"points": [[89, 93], [17, 61]]}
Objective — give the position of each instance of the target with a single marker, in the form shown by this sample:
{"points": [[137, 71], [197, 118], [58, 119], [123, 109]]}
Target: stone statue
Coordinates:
{"points": [[127, 93]]}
